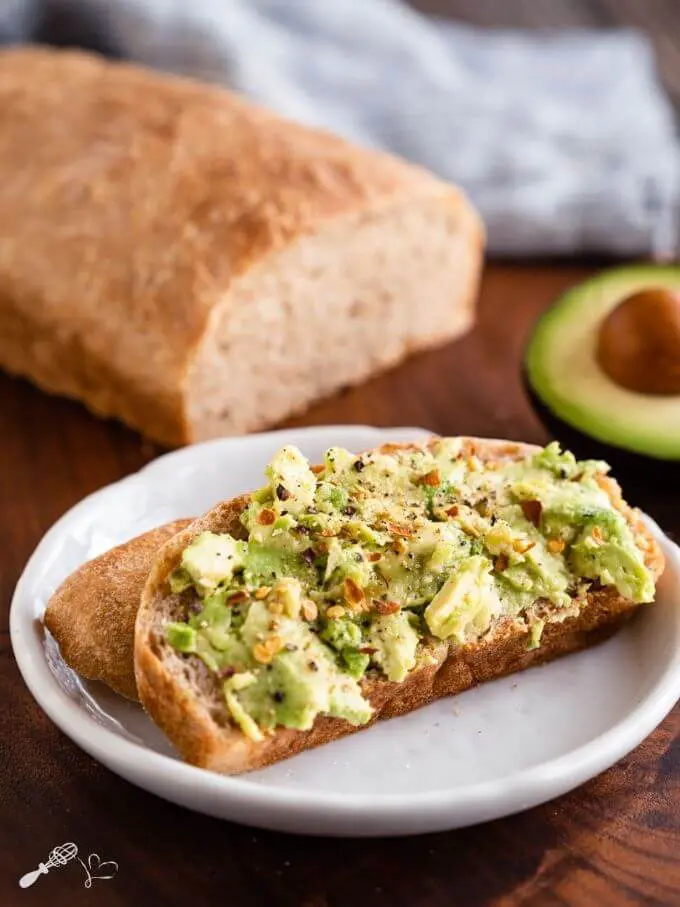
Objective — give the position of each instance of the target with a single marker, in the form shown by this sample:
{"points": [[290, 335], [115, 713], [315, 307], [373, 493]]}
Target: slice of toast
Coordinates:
{"points": [[185, 699], [92, 614]]}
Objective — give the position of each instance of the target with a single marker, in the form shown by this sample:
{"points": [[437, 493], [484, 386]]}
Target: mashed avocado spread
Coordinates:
{"points": [[349, 569]]}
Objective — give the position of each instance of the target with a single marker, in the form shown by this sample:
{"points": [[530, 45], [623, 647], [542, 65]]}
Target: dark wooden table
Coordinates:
{"points": [[612, 843]]}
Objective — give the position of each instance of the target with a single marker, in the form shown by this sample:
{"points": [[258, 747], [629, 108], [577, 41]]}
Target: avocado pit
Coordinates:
{"points": [[638, 345]]}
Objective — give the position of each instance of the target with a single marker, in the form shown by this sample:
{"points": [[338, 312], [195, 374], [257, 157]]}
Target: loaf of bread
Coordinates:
{"points": [[179, 259]]}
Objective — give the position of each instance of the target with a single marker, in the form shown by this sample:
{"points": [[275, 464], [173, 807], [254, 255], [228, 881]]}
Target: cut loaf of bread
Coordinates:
{"points": [[185, 699], [180, 259]]}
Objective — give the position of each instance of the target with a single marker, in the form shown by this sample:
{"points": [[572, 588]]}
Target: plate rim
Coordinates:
{"points": [[490, 798]]}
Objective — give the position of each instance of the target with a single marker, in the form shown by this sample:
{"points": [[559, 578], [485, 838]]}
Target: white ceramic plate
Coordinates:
{"points": [[489, 752]]}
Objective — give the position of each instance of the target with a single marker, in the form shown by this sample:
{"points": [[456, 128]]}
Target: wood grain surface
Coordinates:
{"points": [[614, 842]]}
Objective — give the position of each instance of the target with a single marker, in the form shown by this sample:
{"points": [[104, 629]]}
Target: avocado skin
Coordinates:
{"points": [[632, 469]]}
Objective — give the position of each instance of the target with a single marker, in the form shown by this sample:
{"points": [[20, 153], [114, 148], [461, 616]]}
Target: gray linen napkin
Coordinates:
{"points": [[565, 141]]}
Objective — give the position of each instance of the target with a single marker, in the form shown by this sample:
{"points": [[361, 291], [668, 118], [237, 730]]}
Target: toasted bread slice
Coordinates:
{"points": [[92, 614], [185, 699]]}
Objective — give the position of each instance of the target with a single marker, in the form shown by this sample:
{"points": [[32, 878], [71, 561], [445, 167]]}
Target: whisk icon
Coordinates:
{"points": [[59, 856]]}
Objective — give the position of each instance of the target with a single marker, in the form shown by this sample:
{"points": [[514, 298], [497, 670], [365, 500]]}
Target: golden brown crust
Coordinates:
{"points": [[92, 614], [187, 721], [144, 196]]}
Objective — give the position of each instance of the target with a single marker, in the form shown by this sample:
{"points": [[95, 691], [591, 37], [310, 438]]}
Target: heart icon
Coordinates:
{"points": [[104, 870]]}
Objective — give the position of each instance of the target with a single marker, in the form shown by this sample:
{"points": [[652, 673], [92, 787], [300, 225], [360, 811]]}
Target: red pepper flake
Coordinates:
{"points": [[266, 517], [397, 529], [374, 557], [368, 650], [353, 593], [501, 563], [391, 447], [236, 597], [432, 478], [385, 607], [399, 546], [532, 510], [452, 511], [317, 469]]}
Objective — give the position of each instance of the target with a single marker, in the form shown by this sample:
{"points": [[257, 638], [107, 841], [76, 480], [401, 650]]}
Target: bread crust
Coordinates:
{"points": [[207, 739], [145, 196], [92, 614]]}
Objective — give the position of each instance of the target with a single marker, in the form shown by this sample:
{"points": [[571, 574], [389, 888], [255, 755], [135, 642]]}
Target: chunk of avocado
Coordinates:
{"points": [[338, 460], [292, 481], [348, 561], [467, 602], [355, 662], [211, 559], [341, 633], [231, 687], [605, 550], [396, 643], [265, 563], [181, 636], [576, 398], [302, 681]]}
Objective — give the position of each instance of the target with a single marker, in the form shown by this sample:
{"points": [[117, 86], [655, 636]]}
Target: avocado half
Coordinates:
{"points": [[575, 398]]}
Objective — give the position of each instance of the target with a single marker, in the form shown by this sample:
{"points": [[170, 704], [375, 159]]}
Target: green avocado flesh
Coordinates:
{"points": [[563, 370], [355, 569]]}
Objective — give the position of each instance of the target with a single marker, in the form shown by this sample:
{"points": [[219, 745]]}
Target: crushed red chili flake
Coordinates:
{"points": [[266, 517], [391, 447], [432, 478], [452, 511], [385, 607], [397, 529], [353, 593], [237, 597], [532, 510], [317, 469], [368, 650], [501, 563]]}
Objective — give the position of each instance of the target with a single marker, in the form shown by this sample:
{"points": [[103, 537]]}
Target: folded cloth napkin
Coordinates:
{"points": [[564, 140]]}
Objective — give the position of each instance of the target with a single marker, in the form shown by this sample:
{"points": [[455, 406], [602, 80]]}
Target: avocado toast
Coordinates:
{"points": [[371, 585]]}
